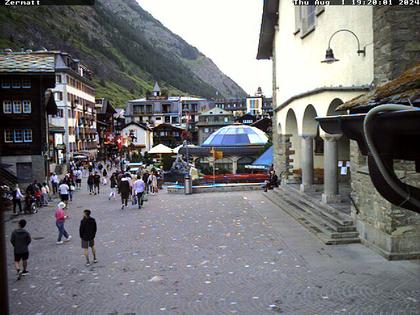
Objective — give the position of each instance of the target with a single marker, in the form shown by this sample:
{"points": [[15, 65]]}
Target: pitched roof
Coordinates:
{"points": [[167, 126], [216, 111], [141, 125], [403, 89], [27, 63], [267, 31], [156, 88], [160, 149], [106, 106]]}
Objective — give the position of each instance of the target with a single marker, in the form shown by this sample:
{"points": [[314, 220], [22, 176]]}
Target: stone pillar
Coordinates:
{"points": [[234, 164], [307, 162], [330, 194]]}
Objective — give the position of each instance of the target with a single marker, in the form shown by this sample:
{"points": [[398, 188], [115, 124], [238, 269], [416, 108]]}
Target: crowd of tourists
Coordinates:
{"points": [[132, 188]]}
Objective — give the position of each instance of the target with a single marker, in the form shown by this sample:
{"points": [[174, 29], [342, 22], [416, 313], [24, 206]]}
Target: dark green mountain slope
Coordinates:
{"points": [[124, 45]]}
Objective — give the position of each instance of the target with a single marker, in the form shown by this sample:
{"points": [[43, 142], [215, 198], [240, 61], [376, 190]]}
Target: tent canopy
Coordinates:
{"points": [[175, 150], [160, 149], [264, 161]]}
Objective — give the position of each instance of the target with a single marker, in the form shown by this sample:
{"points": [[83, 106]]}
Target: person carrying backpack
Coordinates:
{"points": [[20, 240]]}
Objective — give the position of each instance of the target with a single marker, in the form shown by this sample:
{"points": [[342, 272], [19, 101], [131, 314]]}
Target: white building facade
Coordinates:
{"points": [[75, 98], [361, 47], [139, 135], [305, 88]]}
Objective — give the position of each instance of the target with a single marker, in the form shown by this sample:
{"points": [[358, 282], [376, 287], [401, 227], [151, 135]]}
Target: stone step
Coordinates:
{"points": [[325, 209], [333, 220], [333, 229], [314, 224]]}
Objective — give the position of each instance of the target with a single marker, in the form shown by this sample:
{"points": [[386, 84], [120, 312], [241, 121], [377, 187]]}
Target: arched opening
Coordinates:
{"points": [[310, 125], [333, 105], [294, 149]]}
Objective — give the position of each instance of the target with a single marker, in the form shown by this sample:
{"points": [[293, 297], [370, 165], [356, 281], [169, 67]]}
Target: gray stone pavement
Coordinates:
{"points": [[214, 253]]}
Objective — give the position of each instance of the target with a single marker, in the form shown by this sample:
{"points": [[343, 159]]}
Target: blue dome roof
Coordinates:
{"points": [[236, 135]]}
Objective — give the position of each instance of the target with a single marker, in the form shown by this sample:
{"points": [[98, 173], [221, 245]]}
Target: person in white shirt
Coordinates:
{"points": [[63, 190], [44, 195], [54, 182], [17, 199], [138, 190], [78, 175]]}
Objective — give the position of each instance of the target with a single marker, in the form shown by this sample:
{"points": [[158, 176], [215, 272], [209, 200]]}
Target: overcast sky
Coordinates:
{"points": [[226, 31]]}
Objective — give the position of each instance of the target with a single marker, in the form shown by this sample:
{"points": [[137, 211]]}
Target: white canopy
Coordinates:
{"points": [[160, 149], [176, 150]]}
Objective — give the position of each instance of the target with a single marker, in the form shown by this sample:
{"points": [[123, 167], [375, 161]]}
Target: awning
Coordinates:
{"points": [[264, 161], [55, 129], [160, 149]]}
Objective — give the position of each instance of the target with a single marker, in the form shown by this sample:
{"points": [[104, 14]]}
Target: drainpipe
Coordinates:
{"points": [[369, 141]]}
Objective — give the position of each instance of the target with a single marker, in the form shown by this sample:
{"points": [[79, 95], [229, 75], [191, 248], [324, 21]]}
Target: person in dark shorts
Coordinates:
{"points": [[20, 240], [96, 182], [87, 232], [125, 189]]}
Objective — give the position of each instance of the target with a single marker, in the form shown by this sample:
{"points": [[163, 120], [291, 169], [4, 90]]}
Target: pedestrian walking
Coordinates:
{"points": [[153, 183], [20, 240], [44, 194], [113, 185], [54, 183], [125, 190], [72, 187], [90, 182], [78, 175], [38, 196], [138, 190], [63, 191], [145, 180], [87, 232], [96, 182], [17, 199], [60, 217]]}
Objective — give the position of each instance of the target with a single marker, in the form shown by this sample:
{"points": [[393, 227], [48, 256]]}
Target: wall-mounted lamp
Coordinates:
{"points": [[329, 55]]}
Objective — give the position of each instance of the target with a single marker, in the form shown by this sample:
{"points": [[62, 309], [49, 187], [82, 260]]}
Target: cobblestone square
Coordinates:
{"points": [[214, 253]]}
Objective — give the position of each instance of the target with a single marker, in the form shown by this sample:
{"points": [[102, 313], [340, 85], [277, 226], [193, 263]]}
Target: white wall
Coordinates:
{"points": [[144, 137], [298, 60]]}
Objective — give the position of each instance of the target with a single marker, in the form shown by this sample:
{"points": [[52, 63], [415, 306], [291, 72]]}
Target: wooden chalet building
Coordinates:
{"points": [[25, 80], [168, 135], [105, 125]]}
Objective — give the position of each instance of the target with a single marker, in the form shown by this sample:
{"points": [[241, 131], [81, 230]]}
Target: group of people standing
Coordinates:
{"points": [[133, 188], [35, 193]]}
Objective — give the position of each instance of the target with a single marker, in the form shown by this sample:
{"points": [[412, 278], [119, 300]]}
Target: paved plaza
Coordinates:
{"points": [[211, 253]]}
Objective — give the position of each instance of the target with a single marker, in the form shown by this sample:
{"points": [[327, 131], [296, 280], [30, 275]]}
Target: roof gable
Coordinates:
{"points": [[136, 124], [268, 22], [27, 63]]}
